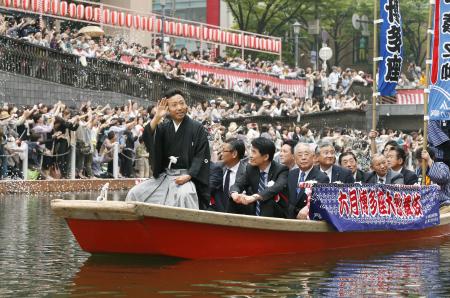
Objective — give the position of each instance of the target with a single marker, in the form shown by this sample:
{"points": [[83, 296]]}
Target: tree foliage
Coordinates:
{"points": [[337, 21], [415, 23], [267, 16], [275, 17]]}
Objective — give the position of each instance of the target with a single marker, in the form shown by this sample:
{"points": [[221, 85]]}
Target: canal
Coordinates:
{"points": [[39, 257]]}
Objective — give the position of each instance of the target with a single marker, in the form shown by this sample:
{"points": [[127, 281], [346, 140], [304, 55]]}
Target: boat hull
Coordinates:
{"points": [[189, 240], [139, 228]]}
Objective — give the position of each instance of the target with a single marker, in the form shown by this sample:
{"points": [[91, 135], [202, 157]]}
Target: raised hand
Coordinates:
{"points": [[373, 134], [162, 108], [161, 111]]}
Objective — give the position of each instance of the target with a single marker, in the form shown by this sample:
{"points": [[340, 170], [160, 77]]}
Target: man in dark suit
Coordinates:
{"points": [[287, 156], [381, 173], [304, 157], [326, 156], [396, 158], [348, 160], [216, 202], [232, 166], [264, 181]]}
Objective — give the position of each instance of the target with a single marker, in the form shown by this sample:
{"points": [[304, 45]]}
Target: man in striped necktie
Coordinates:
{"points": [[265, 179]]}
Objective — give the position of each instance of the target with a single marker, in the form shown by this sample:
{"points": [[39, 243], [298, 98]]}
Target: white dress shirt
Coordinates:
{"points": [[233, 172], [329, 172], [383, 178], [300, 174], [397, 172]]}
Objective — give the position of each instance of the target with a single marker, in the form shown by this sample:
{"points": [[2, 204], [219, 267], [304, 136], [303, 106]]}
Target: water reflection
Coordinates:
{"points": [[40, 257], [346, 273], [38, 254]]}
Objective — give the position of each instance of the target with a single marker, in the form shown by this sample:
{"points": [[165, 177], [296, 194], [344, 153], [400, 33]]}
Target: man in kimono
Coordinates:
{"points": [[180, 157]]}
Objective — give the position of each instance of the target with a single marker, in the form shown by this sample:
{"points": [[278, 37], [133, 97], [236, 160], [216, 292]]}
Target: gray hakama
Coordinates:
{"points": [[189, 145], [164, 191]]}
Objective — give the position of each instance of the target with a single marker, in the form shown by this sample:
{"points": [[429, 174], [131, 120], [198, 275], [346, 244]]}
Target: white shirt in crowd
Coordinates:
{"points": [[233, 172], [300, 175], [277, 70], [333, 80], [329, 172]]}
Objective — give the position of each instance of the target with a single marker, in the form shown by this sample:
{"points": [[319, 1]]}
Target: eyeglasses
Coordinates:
{"points": [[326, 153], [227, 150]]}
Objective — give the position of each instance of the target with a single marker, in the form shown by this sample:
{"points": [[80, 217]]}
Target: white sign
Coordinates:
{"points": [[325, 53]]}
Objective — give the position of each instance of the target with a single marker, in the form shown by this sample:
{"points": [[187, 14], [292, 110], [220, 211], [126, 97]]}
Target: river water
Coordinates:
{"points": [[39, 257]]}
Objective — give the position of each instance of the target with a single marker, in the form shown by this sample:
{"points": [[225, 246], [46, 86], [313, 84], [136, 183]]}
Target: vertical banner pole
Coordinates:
{"points": [[426, 94], [374, 72]]}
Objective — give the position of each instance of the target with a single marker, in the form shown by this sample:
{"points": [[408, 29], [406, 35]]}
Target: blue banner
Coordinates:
{"points": [[391, 47], [439, 103], [354, 207]]}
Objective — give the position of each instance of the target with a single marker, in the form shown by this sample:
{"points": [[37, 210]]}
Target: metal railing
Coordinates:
{"points": [[355, 119], [21, 57], [23, 154]]}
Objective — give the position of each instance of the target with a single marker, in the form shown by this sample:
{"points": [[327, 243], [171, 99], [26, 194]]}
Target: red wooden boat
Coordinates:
{"points": [[141, 228]]}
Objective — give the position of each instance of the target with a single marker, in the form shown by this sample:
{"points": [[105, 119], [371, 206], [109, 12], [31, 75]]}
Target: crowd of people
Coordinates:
{"points": [[243, 169], [319, 83], [50, 130], [343, 155], [118, 49], [324, 91]]}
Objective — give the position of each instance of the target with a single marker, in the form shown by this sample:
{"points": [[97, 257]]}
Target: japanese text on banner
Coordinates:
{"points": [[376, 207], [439, 104], [391, 47]]}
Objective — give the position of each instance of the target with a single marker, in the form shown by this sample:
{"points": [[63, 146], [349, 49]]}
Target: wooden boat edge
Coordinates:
{"points": [[119, 210], [93, 210]]}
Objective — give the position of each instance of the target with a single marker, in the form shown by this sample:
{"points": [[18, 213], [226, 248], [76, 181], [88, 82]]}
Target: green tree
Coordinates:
{"points": [[276, 18], [337, 21], [415, 23], [267, 16]]}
